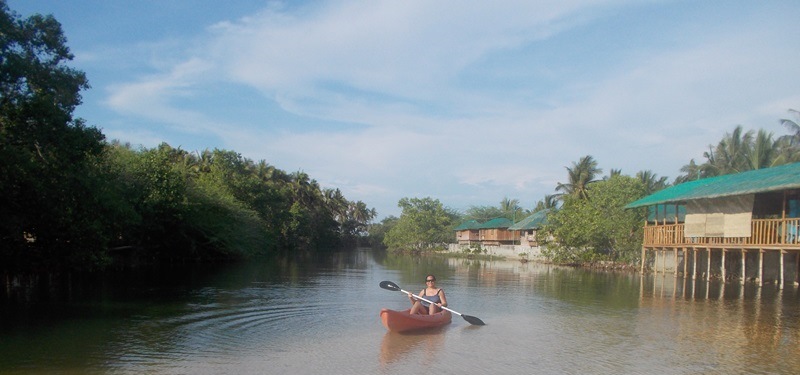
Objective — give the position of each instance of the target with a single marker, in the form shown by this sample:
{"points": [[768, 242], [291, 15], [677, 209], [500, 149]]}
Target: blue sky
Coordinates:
{"points": [[465, 102]]}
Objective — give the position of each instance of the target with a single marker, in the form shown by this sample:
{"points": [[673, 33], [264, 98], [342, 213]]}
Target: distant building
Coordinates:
{"points": [[529, 226], [468, 232], [492, 232], [495, 232]]}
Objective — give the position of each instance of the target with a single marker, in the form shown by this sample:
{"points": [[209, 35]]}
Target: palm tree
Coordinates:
{"points": [[550, 201], [730, 155], [613, 172], [302, 187], [691, 171], [337, 204], [785, 151], [763, 152], [651, 182], [580, 176], [510, 208], [361, 214], [793, 127]]}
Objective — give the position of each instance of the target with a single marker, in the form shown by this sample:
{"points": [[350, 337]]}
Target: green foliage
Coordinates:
{"points": [[549, 202], [598, 228], [580, 176], [508, 208], [424, 224], [219, 204], [48, 174], [740, 151], [377, 231], [482, 213]]}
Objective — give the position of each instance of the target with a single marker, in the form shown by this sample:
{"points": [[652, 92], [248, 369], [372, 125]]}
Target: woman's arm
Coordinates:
{"points": [[442, 297], [413, 300]]}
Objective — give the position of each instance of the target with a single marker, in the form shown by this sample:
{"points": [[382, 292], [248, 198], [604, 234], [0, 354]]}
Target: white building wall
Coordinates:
{"points": [[506, 251]]}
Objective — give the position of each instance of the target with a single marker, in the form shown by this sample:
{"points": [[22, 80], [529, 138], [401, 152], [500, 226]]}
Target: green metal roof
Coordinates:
{"points": [[498, 222], [758, 181], [534, 221], [467, 225]]}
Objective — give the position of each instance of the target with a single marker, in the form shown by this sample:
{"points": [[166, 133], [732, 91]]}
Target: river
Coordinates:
{"points": [[321, 316]]}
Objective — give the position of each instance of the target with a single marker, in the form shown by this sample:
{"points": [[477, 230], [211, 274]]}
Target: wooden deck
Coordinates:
{"points": [[768, 236]]}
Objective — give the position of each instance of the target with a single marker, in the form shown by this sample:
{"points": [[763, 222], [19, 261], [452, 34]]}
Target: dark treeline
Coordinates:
{"points": [[70, 199]]}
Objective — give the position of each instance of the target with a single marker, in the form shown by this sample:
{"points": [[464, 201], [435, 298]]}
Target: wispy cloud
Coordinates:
{"points": [[472, 103]]}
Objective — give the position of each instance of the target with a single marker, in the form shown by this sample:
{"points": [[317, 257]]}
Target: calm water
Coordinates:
{"points": [[321, 316]]}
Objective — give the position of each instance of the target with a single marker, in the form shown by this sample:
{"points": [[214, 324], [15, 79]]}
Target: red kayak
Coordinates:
{"points": [[402, 321]]}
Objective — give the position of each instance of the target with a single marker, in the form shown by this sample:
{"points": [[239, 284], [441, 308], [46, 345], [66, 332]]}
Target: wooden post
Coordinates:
{"points": [[722, 264], [708, 266], [780, 283], [685, 261], [744, 265], [760, 267], [675, 258], [694, 263], [797, 268], [663, 261], [644, 255]]}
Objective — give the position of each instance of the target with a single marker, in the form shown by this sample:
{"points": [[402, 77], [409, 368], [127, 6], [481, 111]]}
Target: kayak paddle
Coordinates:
{"points": [[388, 285]]}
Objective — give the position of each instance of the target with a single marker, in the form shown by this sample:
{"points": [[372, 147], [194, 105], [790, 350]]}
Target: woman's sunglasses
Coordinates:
{"points": [[430, 280]]}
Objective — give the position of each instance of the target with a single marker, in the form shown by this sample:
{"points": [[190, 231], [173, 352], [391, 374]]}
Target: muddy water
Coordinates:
{"points": [[321, 316]]}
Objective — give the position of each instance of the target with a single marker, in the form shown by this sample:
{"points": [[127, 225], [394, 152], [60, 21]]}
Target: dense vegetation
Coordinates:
{"points": [[424, 224], [70, 199]]}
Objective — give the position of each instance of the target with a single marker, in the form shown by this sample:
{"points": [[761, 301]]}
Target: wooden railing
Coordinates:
{"points": [[764, 232]]}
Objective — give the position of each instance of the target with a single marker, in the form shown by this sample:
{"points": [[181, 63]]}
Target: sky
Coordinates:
{"points": [[467, 102]]}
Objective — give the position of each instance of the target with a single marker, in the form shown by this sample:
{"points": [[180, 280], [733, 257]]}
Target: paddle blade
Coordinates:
{"points": [[388, 285], [473, 320]]}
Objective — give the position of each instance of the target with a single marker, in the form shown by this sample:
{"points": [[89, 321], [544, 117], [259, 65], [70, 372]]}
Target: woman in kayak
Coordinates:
{"points": [[430, 293]]}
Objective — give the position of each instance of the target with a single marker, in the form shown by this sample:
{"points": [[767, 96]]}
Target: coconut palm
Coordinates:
{"points": [[337, 204], [361, 214], [692, 171], [550, 201], [651, 181], [730, 155], [794, 128], [613, 172], [510, 208], [762, 152], [580, 176]]}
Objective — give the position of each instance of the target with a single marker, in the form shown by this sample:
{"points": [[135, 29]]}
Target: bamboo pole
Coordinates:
{"points": [[694, 263], [675, 258], [780, 283], [708, 266], [644, 255], [685, 261], [797, 268], [722, 264], [744, 265], [760, 267]]}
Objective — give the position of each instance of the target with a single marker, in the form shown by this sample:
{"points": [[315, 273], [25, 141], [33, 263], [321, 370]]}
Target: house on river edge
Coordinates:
{"points": [[743, 226], [501, 236]]}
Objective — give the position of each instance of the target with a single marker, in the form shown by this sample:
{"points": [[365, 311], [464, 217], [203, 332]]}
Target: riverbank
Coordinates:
{"points": [[510, 252], [523, 253]]}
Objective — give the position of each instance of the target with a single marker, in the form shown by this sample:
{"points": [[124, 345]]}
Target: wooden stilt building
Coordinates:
{"points": [[743, 226]]}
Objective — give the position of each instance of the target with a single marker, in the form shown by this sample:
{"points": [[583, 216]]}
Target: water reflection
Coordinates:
{"points": [[747, 326], [321, 316], [419, 348]]}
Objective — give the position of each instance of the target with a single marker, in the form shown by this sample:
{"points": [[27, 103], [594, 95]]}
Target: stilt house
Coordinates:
{"points": [[743, 226]]}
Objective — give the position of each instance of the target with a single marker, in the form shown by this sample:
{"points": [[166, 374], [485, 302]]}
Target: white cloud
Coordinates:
{"points": [[398, 69]]}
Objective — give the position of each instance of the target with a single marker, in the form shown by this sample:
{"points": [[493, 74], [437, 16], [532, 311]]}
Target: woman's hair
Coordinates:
{"points": [[431, 276]]}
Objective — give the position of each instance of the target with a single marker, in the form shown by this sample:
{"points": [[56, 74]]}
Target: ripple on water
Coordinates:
{"points": [[223, 322]]}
